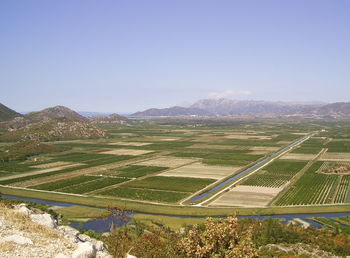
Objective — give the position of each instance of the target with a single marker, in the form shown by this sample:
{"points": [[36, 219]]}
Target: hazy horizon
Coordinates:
{"points": [[123, 56]]}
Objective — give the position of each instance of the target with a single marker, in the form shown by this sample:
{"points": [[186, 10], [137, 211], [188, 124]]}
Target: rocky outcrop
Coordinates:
{"points": [[27, 233]]}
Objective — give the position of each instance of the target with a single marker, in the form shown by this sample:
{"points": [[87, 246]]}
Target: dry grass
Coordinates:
{"points": [[18, 221], [298, 156], [247, 137], [52, 164], [167, 162], [208, 146], [131, 152], [198, 170], [137, 144], [261, 148], [7, 246]]}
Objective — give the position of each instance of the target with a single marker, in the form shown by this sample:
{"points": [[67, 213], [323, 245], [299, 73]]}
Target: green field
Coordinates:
{"points": [[182, 184], [276, 174], [64, 183], [145, 194], [92, 185], [135, 171], [312, 188]]}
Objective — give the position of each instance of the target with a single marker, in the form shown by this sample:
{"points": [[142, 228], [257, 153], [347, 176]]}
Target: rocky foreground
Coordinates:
{"points": [[31, 233]]}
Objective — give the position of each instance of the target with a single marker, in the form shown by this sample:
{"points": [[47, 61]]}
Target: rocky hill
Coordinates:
{"points": [[110, 119], [56, 123], [7, 113], [52, 130], [59, 113]]}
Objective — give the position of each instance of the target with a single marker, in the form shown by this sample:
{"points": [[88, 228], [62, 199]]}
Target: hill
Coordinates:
{"points": [[110, 119], [59, 113], [52, 130], [7, 113], [56, 123]]}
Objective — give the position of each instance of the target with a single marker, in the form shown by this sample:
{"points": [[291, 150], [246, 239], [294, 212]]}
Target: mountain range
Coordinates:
{"points": [[252, 108]]}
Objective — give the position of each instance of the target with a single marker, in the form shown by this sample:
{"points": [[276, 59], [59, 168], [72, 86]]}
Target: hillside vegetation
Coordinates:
{"points": [[7, 113]]}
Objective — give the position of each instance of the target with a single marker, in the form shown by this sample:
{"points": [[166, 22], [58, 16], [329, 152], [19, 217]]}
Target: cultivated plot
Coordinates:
{"points": [[247, 196], [336, 156], [52, 164], [198, 170], [136, 144], [131, 152], [247, 136], [298, 156], [167, 162]]}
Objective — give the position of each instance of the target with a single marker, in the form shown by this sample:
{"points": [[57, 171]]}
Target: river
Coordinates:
{"points": [[104, 224]]}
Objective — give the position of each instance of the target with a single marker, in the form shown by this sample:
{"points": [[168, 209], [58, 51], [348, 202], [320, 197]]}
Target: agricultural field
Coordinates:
{"points": [[199, 170], [247, 196], [168, 161], [277, 174], [134, 171], [316, 188]]}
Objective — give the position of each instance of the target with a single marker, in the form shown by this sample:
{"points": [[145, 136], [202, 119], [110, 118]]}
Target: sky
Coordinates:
{"points": [[127, 56]]}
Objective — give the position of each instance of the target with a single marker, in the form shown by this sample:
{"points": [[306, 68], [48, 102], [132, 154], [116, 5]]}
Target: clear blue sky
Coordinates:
{"points": [[124, 56]]}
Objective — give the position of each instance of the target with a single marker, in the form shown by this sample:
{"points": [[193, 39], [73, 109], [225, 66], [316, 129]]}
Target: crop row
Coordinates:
{"points": [[92, 185], [145, 194], [338, 146], [64, 183], [311, 188], [266, 180], [181, 184], [112, 159], [276, 174], [343, 189], [138, 171]]}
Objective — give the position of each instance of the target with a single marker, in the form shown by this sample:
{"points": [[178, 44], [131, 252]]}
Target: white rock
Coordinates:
{"points": [[83, 238], [67, 230], [100, 246], [60, 255], [44, 219], [130, 256], [21, 240], [84, 250], [24, 210], [103, 255]]}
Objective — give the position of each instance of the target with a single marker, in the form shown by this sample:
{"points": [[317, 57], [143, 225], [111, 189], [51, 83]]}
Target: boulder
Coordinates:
{"points": [[21, 240], [22, 209], [84, 250], [44, 220], [83, 238], [99, 245]]}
